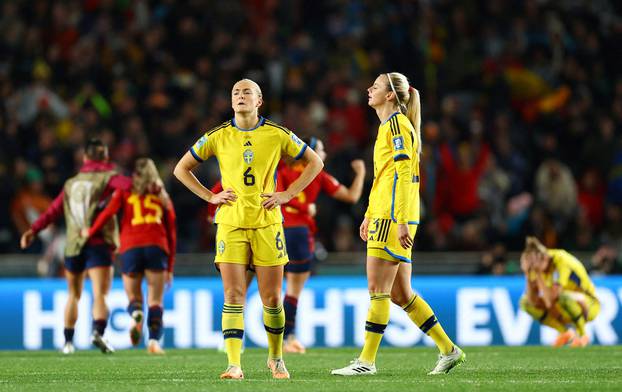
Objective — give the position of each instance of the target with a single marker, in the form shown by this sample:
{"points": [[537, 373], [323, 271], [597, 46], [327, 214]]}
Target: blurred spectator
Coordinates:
{"points": [[505, 87]]}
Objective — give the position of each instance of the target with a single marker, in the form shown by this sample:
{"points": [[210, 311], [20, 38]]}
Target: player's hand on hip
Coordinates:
{"points": [[273, 200], [225, 197], [404, 236], [363, 229], [358, 165], [27, 238]]}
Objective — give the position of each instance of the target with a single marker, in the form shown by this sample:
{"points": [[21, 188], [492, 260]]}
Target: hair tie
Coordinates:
{"points": [[411, 88]]}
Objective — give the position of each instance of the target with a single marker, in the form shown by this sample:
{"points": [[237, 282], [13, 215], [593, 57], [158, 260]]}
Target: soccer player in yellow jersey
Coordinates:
{"points": [[391, 222], [248, 149], [559, 292]]}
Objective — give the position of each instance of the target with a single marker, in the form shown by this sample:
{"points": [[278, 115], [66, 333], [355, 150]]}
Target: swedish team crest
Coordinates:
{"points": [[296, 139], [248, 156], [398, 143], [221, 247]]}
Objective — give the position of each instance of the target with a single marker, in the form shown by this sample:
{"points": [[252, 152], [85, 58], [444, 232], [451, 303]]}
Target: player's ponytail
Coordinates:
{"points": [[407, 101], [413, 112]]}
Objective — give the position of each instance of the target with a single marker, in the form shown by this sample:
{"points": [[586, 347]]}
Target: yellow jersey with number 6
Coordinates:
{"points": [[248, 159]]}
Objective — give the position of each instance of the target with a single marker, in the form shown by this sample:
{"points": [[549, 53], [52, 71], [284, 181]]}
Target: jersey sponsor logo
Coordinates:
{"points": [[221, 247], [201, 142], [398, 143], [296, 140], [248, 143], [248, 156]]}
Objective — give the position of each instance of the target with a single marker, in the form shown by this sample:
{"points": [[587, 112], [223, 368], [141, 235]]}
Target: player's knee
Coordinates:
{"points": [[272, 300], [234, 295], [74, 296], [400, 298]]}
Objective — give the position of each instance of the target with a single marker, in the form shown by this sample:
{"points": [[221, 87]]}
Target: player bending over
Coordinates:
{"points": [[558, 292], [390, 225], [250, 230], [148, 241]]}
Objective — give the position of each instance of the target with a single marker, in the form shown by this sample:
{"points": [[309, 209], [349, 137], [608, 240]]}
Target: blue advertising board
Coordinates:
{"points": [[474, 310]]}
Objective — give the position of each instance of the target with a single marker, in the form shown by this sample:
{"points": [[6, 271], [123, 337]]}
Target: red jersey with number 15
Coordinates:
{"points": [[296, 211], [146, 222]]}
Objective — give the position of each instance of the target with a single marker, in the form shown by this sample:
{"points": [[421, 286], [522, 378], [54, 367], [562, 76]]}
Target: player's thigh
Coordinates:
{"points": [[233, 277], [269, 284], [295, 282], [101, 279], [268, 246], [232, 245], [75, 283], [593, 308], [380, 274], [155, 286]]}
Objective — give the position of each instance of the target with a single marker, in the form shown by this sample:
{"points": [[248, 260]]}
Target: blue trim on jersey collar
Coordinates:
{"points": [[401, 258], [194, 154], [260, 123], [301, 153], [390, 117]]}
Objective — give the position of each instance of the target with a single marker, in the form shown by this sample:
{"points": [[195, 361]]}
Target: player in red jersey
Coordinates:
{"points": [[148, 241], [82, 198], [300, 228]]}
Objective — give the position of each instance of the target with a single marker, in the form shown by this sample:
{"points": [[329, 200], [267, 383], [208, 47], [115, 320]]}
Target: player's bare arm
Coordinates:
{"points": [[183, 172], [313, 166]]}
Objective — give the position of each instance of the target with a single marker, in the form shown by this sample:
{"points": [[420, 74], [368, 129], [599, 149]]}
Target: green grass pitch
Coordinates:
{"points": [[487, 368]]}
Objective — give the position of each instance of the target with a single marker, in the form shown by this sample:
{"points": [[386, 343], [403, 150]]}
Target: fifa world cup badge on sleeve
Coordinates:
{"points": [[398, 143], [201, 141], [296, 139]]}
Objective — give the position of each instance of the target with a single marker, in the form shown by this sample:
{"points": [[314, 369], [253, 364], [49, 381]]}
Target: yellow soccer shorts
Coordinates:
{"points": [[264, 246], [383, 243]]}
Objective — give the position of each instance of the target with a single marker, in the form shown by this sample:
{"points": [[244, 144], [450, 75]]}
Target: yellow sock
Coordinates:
{"points": [[574, 310], [422, 315], [233, 331], [274, 322], [377, 320]]}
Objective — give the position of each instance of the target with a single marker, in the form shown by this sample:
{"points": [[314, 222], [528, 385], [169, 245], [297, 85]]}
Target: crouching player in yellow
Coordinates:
{"points": [[559, 292]]}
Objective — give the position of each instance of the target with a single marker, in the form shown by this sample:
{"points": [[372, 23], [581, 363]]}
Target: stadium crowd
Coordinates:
{"points": [[522, 105]]}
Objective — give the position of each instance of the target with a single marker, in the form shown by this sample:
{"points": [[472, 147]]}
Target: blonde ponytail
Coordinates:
{"points": [[407, 101], [413, 112]]}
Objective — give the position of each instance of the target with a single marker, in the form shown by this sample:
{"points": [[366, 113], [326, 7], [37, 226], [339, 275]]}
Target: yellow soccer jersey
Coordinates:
{"points": [[395, 191], [568, 272], [248, 160]]}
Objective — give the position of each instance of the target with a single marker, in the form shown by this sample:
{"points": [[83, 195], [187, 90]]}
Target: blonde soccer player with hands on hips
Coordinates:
{"points": [[389, 228], [248, 148], [558, 293]]}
